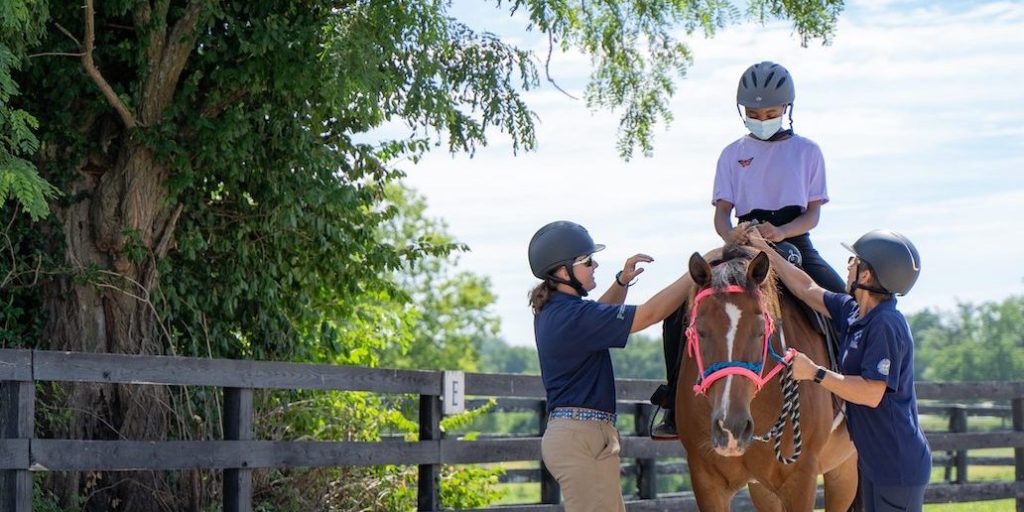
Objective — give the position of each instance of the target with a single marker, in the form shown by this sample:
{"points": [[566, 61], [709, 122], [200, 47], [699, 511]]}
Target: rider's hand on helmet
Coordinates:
{"points": [[630, 270]]}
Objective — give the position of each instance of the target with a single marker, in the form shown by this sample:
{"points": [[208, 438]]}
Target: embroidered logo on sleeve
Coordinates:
{"points": [[622, 312], [745, 163], [883, 367]]}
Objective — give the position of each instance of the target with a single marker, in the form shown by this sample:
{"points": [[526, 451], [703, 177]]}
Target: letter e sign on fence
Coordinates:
{"points": [[454, 399]]}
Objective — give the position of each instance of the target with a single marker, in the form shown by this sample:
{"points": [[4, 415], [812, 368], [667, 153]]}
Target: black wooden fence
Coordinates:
{"points": [[21, 453]]}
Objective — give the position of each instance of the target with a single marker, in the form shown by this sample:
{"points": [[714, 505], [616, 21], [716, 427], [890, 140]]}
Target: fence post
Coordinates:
{"points": [[238, 416], [1017, 407], [958, 424], [429, 474], [646, 469], [17, 421], [550, 493]]}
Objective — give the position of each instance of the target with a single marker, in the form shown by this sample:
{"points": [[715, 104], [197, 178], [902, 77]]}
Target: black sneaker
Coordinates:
{"points": [[666, 429]]}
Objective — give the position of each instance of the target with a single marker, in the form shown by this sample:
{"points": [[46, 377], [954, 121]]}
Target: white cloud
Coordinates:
{"points": [[917, 110]]}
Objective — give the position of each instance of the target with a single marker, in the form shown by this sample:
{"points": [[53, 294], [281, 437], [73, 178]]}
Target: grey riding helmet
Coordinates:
{"points": [[559, 243], [892, 257], [765, 84]]}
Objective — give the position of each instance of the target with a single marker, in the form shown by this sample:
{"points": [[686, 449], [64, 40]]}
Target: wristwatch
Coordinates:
{"points": [[820, 374]]}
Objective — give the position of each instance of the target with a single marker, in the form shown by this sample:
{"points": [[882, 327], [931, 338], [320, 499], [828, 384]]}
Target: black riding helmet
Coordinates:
{"points": [[560, 243], [893, 259]]}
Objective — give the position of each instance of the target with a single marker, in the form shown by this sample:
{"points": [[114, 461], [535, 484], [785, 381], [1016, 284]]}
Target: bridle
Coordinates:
{"points": [[753, 371]]}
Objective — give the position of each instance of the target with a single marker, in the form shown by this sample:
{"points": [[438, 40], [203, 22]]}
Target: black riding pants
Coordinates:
{"points": [[816, 267], [878, 498]]}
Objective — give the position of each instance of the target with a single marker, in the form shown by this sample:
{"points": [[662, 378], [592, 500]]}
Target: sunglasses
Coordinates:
{"points": [[586, 262]]}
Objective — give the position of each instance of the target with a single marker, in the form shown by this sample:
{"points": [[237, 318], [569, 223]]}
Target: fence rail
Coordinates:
{"points": [[238, 454]]}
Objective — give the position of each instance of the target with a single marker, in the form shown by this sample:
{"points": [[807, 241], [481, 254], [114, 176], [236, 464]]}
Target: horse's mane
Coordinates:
{"points": [[731, 269]]}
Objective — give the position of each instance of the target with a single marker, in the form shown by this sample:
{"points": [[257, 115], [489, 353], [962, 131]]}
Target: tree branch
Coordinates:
{"points": [[90, 67], [9, 247], [162, 6], [56, 54], [68, 33], [165, 67], [214, 110], [163, 244], [547, 67]]}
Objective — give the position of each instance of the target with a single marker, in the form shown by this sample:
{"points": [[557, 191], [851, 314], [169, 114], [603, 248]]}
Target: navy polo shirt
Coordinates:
{"points": [[573, 337], [892, 449]]}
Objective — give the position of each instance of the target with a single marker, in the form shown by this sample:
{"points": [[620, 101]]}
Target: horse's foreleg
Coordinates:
{"points": [[710, 488], [801, 486], [841, 485], [764, 500]]}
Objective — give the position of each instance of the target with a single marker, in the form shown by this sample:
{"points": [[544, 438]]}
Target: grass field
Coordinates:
{"points": [[523, 493], [530, 493]]}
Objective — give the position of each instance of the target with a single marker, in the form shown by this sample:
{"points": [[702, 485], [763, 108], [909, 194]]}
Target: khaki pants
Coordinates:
{"points": [[583, 456]]}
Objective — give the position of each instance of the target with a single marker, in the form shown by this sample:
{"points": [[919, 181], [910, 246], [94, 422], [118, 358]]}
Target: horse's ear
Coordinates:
{"points": [[757, 270], [700, 271]]}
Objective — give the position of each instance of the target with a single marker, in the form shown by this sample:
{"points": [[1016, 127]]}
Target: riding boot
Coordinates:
{"points": [[672, 329]]}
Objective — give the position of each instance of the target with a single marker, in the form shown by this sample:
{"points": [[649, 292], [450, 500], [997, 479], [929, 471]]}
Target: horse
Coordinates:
{"points": [[740, 326]]}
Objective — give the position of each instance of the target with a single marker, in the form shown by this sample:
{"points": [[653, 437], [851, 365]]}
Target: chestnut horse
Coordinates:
{"points": [[739, 329]]}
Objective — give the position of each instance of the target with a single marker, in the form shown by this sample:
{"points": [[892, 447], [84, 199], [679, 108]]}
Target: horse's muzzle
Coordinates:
{"points": [[731, 436]]}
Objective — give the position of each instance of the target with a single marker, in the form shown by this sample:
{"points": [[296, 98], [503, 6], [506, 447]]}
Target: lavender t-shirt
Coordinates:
{"points": [[754, 174]]}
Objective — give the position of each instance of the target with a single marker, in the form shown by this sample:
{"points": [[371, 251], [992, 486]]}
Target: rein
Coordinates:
{"points": [[790, 409]]}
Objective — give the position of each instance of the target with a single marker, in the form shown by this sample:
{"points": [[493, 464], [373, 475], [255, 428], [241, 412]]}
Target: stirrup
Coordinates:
{"points": [[665, 430]]}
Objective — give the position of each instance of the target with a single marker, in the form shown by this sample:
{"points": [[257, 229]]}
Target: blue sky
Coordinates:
{"points": [[917, 107]]}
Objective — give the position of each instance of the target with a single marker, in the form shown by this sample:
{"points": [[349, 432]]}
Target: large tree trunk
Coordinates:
{"points": [[116, 228], [114, 235]]}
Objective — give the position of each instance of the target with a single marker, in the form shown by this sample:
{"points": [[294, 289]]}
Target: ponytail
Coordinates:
{"points": [[540, 294]]}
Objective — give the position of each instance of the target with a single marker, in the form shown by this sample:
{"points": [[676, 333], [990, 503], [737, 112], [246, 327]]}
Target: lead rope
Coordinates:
{"points": [[790, 409]]}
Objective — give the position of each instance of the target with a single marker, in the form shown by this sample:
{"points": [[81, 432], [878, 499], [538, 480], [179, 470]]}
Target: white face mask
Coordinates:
{"points": [[763, 129]]}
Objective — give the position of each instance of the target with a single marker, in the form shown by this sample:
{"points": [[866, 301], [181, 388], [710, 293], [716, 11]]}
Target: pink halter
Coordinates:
{"points": [[752, 371]]}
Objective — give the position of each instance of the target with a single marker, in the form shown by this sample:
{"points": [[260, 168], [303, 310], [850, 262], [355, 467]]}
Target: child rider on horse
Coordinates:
{"points": [[771, 177]]}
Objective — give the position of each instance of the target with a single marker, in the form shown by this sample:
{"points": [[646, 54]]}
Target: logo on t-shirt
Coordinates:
{"points": [[883, 367], [746, 163], [622, 313]]}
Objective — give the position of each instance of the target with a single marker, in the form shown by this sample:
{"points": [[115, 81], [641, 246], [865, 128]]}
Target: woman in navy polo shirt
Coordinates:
{"points": [[581, 445], [877, 365]]}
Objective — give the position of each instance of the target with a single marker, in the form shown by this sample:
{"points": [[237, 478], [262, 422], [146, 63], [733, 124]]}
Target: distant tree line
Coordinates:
{"points": [[973, 342]]}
